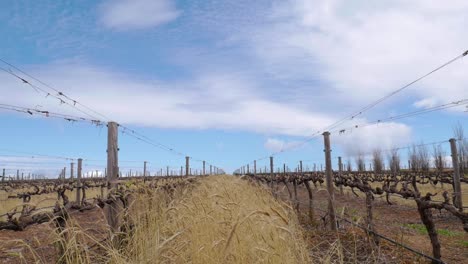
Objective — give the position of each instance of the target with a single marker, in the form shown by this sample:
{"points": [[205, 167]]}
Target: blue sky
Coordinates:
{"points": [[228, 81]]}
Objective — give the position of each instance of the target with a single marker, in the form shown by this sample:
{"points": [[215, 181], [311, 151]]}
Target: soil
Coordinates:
{"points": [[18, 246], [398, 222]]}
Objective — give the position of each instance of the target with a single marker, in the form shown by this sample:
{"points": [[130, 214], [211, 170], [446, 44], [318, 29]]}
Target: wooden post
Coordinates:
{"points": [[17, 175], [300, 166], [113, 211], [248, 169], [329, 180], [187, 166], [78, 183], [271, 172], [71, 170], [3, 175], [167, 171], [255, 168], [211, 169], [284, 168], [457, 192], [204, 172], [144, 170], [340, 172]]}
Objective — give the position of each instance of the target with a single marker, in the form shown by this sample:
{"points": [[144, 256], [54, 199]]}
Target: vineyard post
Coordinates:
{"points": [[456, 175], [211, 169], [181, 170], [112, 177], [248, 169], [187, 165], [255, 168], [3, 175], [296, 201], [144, 171], [300, 166], [204, 168], [78, 183], [329, 180], [17, 175], [271, 172], [284, 168], [340, 171], [167, 170], [71, 170]]}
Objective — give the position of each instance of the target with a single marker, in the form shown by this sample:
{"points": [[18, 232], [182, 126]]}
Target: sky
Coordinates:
{"points": [[228, 82]]}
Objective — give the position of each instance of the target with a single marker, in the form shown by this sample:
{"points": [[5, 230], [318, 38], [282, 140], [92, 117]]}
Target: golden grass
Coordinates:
{"points": [[222, 219]]}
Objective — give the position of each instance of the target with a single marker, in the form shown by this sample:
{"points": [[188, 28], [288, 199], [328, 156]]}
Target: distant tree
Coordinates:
{"points": [[413, 158], [462, 147], [424, 158], [360, 163], [438, 155], [394, 161], [377, 161]]}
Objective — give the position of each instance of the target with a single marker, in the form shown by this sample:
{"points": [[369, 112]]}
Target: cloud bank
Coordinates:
{"points": [[137, 14]]}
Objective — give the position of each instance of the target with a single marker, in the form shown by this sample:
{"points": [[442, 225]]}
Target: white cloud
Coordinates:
{"points": [[426, 103], [368, 138], [207, 102], [362, 51], [276, 145], [137, 14]]}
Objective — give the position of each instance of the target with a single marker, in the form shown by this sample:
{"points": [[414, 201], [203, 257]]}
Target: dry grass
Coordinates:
{"points": [[218, 219], [222, 220]]}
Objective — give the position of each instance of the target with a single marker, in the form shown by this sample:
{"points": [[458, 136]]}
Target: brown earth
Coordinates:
{"points": [[400, 222], [18, 246]]}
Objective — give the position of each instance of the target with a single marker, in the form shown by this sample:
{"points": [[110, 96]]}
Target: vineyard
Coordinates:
{"points": [[424, 188], [233, 132], [86, 220], [203, 216]]}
